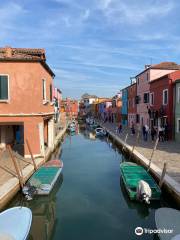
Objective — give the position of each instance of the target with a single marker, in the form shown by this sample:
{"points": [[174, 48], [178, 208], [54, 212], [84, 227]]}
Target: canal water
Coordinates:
{"points": [[89, 200]]}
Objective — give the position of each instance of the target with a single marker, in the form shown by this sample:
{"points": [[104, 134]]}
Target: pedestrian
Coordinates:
{"points": [[153, 133], [120, 128], [132, 129], [166, 132], [161, 133], [146, 130]]}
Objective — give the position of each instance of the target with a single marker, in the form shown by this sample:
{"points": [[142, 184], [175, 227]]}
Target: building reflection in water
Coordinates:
{"points": [[44, 213]]}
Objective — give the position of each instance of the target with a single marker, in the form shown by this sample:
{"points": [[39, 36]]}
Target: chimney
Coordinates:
{"points": [[8, 51], [147, 66]]}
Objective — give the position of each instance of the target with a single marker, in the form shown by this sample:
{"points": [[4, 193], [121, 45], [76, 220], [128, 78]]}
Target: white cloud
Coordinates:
{"points": [[117, 11]]}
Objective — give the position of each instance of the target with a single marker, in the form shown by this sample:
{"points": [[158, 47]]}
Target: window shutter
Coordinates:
{"points": [[3, 87]]}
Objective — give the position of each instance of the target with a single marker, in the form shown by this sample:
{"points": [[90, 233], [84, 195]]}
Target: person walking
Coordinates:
{"points": [[120, 128], [132, 129], [153, 133], [166, 132], [161, 133], [146, 132]]}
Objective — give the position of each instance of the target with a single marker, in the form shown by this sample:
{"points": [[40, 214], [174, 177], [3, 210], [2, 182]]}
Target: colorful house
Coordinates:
{"points": [[26, 102], [150, 73], [132, 107], [124, 110], [70, 107], [104, 109], [177, 109], [116, 107], [161, 110]]}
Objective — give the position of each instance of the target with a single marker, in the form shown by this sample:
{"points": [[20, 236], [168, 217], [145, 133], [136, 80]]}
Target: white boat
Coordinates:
{"points": [[100, 132], [15, 223], [72, 127], [168, 219]]}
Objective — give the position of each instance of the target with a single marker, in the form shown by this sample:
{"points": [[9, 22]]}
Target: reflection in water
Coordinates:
{"points": [[44, 213], [142, 209], [93, 202]]}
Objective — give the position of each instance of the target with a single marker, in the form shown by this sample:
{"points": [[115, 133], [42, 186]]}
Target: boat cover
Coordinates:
{"points": [[168, 218]]}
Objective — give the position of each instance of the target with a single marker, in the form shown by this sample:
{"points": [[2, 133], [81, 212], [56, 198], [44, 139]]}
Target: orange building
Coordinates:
{"points": [[26, 104], [70, 107]]}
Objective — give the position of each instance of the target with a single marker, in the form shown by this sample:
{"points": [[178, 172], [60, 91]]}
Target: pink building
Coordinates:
{"points": [[26, 104], [143, 79]]}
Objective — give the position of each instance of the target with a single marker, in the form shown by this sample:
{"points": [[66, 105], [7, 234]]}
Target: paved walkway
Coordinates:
{"points": [[9, 183], [168, 151]]}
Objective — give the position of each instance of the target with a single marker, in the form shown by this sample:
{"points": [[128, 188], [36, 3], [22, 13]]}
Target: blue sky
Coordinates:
{"points": [[94, 46]]}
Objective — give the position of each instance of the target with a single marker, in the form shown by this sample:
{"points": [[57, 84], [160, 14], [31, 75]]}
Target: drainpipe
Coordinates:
{"points": [[173, 99], [174, 109]]}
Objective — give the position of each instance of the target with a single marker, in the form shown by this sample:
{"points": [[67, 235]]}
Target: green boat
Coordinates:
{"points": [[132, 174]]}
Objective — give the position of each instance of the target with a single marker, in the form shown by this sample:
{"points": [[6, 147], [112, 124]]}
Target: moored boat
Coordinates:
{"points": [[43, 180], [168, 223], [139, 184], [100, 132], [15, 223]]}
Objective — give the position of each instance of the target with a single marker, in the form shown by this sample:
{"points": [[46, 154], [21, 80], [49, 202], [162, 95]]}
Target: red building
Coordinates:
{"points": [[132, 107], [161, 101]]}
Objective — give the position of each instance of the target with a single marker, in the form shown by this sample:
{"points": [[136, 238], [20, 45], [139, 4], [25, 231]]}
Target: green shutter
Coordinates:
{"points": [[3, 87]]}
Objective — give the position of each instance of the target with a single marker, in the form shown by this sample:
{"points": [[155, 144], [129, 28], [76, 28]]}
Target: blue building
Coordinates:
{"points": [[124, 110]]}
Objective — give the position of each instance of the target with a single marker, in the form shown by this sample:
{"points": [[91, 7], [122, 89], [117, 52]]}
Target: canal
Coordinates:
{"points": [[89, 200]]}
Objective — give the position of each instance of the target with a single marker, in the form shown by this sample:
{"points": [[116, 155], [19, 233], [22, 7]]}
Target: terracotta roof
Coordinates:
{"points": [[166, 65], [25, 54], [163, 66]]}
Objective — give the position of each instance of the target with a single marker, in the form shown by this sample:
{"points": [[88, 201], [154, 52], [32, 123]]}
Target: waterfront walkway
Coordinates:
{"points": [[9, 182], [168, 151]]}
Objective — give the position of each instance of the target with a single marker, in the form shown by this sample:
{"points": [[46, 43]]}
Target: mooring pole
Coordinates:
{"points": [[125, 140], [152, 153], [163, 175], [16, 167], [32, 157]]}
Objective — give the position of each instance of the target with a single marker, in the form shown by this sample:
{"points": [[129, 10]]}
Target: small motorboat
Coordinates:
{"points": [[168, 219], [139, 184], [43, 180], [100, 132], [72, 127], [15, 223]]}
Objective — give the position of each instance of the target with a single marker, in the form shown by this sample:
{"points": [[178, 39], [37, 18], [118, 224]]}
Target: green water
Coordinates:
{"points": [[89, 201]]}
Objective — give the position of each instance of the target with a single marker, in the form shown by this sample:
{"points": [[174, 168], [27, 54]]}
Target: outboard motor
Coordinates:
{"points": [[144, 192], [29, 191]]}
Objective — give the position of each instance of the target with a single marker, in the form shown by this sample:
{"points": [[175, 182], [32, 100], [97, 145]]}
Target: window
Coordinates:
{"points": [[178, 95], [44, 89], [178, 125], [165, 96], [137, 99], [152, 98], [4, 85], [146, 97], [50, 92]]}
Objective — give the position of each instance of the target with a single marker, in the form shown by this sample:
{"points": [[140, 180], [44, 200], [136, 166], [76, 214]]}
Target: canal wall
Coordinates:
{"points": [[170, 186], [10, 188]]}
